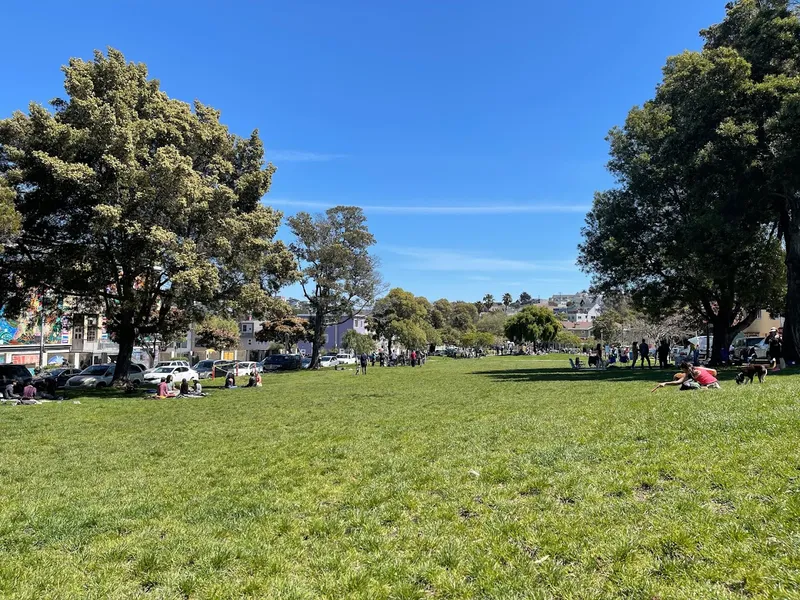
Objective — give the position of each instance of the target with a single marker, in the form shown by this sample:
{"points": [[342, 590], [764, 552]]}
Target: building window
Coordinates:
{"points": [[91, 334]]}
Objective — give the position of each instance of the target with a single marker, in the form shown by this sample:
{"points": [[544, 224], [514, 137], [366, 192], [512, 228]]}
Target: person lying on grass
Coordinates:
{"points": [[693, 378]]}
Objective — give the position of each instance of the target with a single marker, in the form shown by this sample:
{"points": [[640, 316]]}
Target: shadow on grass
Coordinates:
{"points": [[610, 374]]}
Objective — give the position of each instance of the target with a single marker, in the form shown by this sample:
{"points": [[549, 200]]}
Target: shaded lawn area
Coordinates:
{"points": [[502, 477]]}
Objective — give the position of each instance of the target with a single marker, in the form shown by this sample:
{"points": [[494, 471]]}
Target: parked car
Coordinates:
{"points": [[245, 368], [169, 363], [178, 373], [11, 373], [305, 363], [742, 346], [329, 361], [61, 376], [346, 359], [205, 367], [283, 362], [98, 376]]}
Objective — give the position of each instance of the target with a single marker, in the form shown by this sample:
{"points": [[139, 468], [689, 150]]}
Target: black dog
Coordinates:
{"points": [[750, 372]]}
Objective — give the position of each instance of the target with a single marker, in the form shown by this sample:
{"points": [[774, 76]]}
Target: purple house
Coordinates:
{"points": [[335, 333]]}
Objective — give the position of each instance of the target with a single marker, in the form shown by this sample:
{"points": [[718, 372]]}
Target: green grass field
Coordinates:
{"points": [[494, 478]]}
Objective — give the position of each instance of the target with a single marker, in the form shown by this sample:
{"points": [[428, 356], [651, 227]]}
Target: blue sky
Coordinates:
{"points": [[472, 133]]}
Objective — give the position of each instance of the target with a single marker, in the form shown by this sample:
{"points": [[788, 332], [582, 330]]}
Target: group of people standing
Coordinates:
{"points": [[416, 358]]}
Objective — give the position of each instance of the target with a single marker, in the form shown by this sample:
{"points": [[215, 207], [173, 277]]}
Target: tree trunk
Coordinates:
{"points": [[316, 342], [725, 331], [126, 338], [791, 327]]}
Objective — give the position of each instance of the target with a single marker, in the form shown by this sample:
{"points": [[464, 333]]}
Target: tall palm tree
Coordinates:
{"points": [[488, 302], [507, 300]]}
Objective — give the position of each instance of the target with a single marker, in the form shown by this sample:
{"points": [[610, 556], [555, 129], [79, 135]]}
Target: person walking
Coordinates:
{"points": [[775, 344], [663, 354], [644, 352], [599, 355], [364, 358], [634, 355], [413, 358]]}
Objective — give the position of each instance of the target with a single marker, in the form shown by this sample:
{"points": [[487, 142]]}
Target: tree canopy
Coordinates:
{"points": [[359, 343], [218, 333], [286, 329], [534, 324], [685, 225], [141, 202], [394, 315], [339, 275]]}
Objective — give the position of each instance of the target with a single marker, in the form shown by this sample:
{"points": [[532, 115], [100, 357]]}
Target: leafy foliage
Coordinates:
{"points": [[399, 316], [286, 329], [689, 201], [492, 323], [218, 333], [139, 201], [9, 217], [359, 343], [533, 324]]}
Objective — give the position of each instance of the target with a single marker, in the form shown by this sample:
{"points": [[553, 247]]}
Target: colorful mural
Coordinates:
{"points": [[26, 330]]}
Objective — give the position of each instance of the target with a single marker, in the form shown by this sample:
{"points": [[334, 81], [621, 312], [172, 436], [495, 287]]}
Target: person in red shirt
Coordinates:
{"points": [[163, 391], [702, 378]]}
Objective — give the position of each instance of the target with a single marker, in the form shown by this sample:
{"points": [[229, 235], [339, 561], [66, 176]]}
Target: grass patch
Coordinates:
{"points": [[494, 478]]}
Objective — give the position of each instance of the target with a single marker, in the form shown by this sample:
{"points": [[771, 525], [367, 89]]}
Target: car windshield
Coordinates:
{"points": [[164, 370], [754, 342], [204, 364], [95, 370]]}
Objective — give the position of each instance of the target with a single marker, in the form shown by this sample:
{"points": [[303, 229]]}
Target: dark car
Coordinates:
{"points": [[12, 373], [60, 375], [282, 362]]}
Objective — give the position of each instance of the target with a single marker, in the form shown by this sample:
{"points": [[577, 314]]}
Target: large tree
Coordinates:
{"points": [[396, 315], [143, 202], [765, 35], [217, 333], [359, 343], [463, 316], [684, 226], [535, 324], [339, 275], [286, 329]]}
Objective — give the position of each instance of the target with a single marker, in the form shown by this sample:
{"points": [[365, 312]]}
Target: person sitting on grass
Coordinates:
{"points": [[230, 381], [184, 387], [162, 391], [10, 393], [197, 388], [692, 378]]}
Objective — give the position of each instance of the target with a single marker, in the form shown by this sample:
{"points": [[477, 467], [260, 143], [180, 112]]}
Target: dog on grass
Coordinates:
{"points": [[749, 372]]}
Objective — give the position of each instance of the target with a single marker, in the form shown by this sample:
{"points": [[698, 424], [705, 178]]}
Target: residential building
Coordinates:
{"points": [[335, 333], [763, 323], [583, 329]]}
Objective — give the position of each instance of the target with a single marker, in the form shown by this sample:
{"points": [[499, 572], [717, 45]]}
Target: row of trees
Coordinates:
{"points": [[507, 300], [149, 210], [706, 211]]}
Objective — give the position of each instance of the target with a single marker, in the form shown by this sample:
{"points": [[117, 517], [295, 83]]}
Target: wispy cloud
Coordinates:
{"points": [[433, 259], [300, 156], [479, 278], [443, 209]]}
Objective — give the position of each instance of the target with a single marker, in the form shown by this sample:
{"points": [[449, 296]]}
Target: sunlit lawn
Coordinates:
{"points": [[492, 478]]}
